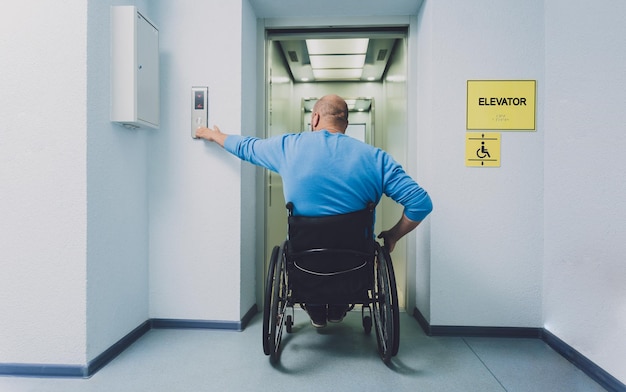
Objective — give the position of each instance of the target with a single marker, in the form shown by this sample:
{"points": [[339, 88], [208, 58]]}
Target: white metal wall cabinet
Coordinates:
{"points": [[134, 69]]}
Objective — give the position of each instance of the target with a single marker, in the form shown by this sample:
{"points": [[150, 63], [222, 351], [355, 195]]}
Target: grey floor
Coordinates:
{"points": [[339, 358]]}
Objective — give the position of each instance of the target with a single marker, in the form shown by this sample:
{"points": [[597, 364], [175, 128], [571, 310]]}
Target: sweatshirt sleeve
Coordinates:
{"points": [[231, 143], [400, 187], [267, 153]]}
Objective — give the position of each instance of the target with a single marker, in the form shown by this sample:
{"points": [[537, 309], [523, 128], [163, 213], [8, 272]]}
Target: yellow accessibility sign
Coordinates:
{"points": [[482, 149]]}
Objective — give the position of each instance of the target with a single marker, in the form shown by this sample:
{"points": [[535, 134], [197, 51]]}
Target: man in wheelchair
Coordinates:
{"points": [[326, 172]]}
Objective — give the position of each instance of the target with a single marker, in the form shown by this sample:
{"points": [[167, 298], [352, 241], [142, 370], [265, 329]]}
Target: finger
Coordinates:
{"points": [[202, 132]]}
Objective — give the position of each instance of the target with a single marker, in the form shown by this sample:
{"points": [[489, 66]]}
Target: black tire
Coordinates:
{"points": [[385, 307], [267, 303], [278, 306], [395, 309]]}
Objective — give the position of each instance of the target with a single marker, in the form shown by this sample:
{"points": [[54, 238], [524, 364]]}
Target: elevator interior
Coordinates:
{"points": [[368, 68]]}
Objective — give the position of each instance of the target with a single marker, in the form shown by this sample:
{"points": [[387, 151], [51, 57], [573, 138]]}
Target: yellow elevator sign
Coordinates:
{"points": [[501, 105], [482, 149]]}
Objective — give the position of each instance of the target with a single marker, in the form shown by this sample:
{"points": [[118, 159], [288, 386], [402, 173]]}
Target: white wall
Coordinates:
{"points": [[75, 227], [486, 228], [74, 195], [488, 265], [250, 249], [117, 199], [43, 182], [585, 180], [196, 188]]}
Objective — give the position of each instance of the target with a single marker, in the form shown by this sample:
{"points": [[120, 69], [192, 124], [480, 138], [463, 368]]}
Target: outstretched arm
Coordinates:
{"points": [[399, 230], [212, 134]]}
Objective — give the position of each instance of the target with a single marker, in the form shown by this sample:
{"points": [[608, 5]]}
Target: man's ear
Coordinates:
{"points": [[315, 120]]}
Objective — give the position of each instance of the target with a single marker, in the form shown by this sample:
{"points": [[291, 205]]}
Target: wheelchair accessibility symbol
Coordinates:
{"points": [[482, 149], [482, 152]]}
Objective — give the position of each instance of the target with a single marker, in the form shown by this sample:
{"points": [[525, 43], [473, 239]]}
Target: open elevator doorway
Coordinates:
{"points": [[365, 66]]}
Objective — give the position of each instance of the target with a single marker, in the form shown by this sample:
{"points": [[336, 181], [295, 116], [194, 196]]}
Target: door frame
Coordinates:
{"points": [[265, 26]]}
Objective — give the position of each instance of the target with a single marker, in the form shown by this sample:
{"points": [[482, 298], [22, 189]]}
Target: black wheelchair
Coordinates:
{"points": [[331, 260]]}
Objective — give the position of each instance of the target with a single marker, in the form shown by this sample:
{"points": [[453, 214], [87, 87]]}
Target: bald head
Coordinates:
{"points": [[332, 114]]}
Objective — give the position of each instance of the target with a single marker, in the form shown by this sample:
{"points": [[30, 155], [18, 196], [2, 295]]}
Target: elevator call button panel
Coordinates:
{"points": [[199, 109]]}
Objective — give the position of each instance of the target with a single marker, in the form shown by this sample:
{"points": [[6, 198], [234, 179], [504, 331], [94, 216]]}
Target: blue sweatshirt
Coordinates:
{"points": [[331, 173]]}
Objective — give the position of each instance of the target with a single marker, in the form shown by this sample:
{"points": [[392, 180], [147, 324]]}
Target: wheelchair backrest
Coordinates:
{"points": [[352, 231]]}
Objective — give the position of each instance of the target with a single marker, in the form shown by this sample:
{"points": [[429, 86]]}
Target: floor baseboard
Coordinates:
{"points": [[78, 371], [595, 372]]}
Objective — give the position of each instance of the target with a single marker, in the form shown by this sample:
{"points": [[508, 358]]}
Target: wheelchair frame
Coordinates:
{"points": [[381, 300]]}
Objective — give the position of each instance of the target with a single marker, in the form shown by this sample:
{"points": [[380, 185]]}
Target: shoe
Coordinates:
{"points": [[317, 313], [336, 313]]}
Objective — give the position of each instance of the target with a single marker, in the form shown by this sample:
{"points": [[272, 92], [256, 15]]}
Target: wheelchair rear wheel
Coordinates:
{"points": [[385, 304], [275, 304], [267, 303]]}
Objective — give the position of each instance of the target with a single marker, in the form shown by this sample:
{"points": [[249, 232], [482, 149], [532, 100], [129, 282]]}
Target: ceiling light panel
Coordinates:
{"points": [[337, 46], [339, 61], [337, 74]]}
